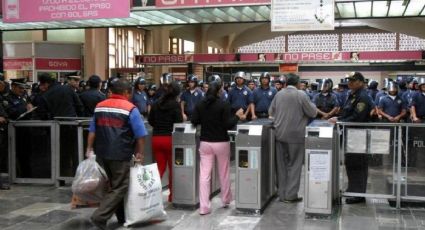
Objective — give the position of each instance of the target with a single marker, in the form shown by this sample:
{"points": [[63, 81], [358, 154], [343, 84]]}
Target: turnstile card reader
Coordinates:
{"points": [[185, 166], [321, 168], [255, 171]]}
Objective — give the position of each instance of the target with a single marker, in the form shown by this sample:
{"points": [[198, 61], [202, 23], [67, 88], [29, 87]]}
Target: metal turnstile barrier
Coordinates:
{"points": [[321, 168], [32, 151], [255, 169], [186, 163]]}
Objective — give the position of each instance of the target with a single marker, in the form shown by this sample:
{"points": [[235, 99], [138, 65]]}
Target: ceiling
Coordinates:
{"points": [[344, 10]]}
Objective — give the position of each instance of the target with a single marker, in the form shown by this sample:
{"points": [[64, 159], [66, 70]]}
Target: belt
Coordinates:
{"points": [[262, 114]]}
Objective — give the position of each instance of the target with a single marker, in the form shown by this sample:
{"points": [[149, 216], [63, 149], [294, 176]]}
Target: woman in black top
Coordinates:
{"points": [[164, 113], [215, 119]]}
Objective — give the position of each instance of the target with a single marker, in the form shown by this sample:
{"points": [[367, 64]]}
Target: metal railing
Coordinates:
{"points": [[393, 152]]}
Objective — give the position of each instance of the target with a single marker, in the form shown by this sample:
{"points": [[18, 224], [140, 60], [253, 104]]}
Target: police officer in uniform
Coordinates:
{"points": [[240, 97], [151, 96], [17, 101], [140, 98], [326, 101], [251, 85], [356, 109], [92, 96], [372, 88], [391, 108], [3, 136], [190, 97], [263, 96], [417, 106]]}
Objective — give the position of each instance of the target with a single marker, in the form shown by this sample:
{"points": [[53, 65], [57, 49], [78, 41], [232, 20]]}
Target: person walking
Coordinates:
{"points": [[291, 110], [116, 132], [215, 117]]}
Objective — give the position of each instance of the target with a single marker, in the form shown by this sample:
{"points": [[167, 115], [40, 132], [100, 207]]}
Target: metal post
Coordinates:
{"points": [[398, 202]]}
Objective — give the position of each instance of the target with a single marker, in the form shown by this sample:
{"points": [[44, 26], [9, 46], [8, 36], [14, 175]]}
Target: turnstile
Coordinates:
{"points": [[255, 169], [321, 168], [186, 167]]}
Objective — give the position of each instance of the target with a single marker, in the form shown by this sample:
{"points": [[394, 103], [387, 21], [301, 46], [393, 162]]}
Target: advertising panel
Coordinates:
{"points": [[206, 3], [16, 11], [302, 15]]}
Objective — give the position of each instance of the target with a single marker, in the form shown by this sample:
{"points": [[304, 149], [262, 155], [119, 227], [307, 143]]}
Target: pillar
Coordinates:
{"points": [[96, 53], [157, 42]]}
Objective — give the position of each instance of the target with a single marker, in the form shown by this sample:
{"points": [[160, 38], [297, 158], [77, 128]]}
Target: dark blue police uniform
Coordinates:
{"points": [[262, 99], [325, 103], [392, 107], [240, 98], [16, 105], [191, 98], [418, 100], [140, 100], [357, 109]]}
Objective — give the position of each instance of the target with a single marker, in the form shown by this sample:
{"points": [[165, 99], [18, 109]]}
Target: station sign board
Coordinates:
{"points": [[18, 11], [18, 64], [298, 57], [206, 3], [58, 64]]}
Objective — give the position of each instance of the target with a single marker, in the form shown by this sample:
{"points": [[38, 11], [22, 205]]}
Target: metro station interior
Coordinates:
{"points": [[382, 39]]}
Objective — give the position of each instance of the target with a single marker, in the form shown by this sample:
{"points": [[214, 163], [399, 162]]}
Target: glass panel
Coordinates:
{"points": [[112, 49], [380, 8], [112, 35], [33, 152], [363, 9], [396, 8], [68, 150], [413, 162], [372, 172], [414, 8], [346, 10]]}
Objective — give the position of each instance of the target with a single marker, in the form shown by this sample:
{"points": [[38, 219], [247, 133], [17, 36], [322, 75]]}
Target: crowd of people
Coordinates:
{"points": [[217, 107]]}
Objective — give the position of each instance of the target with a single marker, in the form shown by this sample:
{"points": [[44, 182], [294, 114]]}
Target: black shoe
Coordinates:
{"points": [[298, 199], [355, 200], [99, 224]]}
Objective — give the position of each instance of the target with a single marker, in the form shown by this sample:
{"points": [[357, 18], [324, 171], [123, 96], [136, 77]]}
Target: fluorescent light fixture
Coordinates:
{"points": [[363, 9], [414, 8], [346, 10], [396, 9], [380, 9]]}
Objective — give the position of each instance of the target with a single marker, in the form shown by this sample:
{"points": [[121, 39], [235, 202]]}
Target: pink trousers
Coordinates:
{"points": [[209, 151]]}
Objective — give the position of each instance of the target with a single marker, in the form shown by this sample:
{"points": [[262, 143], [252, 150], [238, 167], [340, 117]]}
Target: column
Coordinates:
{"points": [[96, 53]]}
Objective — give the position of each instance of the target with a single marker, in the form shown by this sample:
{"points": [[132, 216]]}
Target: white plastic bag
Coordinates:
{"points": [[144, 199], [90, 181]]}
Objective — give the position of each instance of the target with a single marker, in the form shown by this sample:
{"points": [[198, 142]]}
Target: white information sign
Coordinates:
{"points": [[356, 141], [319, 165], [300, 15], [380, 141]]}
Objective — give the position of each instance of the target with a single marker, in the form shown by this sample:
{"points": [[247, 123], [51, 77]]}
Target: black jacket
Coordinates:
{"points": [[89, 99], [357, 108], [163, 116], [215, 119], [60, 101]]}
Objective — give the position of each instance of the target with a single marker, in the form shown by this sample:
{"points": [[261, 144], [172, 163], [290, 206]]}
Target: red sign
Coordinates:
{"points": [[313, 56], [15, 11], [57, 64], [164, 59], [206, 3], [288, 68], [17, 64]]}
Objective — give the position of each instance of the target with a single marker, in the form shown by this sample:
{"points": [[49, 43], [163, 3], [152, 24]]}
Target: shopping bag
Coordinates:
{"points": [[143, 202], [90, 181]]}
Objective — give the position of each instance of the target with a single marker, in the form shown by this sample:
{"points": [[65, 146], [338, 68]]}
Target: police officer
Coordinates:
{"points": [[407, 96], [17, 101], [92, 96], [326, 101], [151, 96], [240, 97], [356, 109], [391, 108], [417, 106], [73, 81], [263, 96], [166, 78], [383, 92], [251, 85], [280, 83], [190, 97], [3, 137], [372, 88], [140, 98]]}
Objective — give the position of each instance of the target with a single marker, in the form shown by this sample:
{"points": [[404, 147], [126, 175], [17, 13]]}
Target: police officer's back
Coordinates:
{"points": [[91, 97]]}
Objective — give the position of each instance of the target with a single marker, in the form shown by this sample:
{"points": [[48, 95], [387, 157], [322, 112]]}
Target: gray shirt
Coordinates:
{"points": [[291, 109]]}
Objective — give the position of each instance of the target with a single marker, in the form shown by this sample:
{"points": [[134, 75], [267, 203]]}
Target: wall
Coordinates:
{"points": [[70, 35]]}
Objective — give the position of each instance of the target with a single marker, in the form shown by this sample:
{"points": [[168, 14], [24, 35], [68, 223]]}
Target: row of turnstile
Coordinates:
{"points": [[50, 151]]}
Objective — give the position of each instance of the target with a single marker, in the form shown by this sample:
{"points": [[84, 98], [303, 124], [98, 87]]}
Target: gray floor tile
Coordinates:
{"points": [[54, 217]]}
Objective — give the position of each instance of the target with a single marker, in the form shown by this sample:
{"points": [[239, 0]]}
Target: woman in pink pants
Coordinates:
{"points": [[215, 118]]}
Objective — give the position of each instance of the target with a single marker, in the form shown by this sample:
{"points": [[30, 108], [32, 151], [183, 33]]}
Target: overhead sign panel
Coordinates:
{"points": [[16, 11], [301, 15], [205, 3]]}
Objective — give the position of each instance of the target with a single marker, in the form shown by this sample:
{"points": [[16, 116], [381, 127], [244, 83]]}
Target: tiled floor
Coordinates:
{"points": [[36, 207]]}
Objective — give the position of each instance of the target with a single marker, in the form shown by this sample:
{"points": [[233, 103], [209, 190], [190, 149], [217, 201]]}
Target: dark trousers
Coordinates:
{"points": [[4, 151], [357, 171], [113, 202], [289, 159]]}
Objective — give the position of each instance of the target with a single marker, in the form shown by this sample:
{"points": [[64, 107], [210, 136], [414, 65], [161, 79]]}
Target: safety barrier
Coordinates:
{"points": [[390, 155]]}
